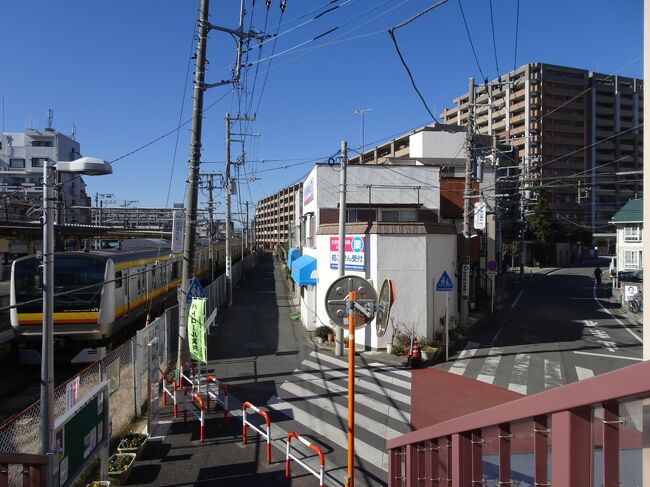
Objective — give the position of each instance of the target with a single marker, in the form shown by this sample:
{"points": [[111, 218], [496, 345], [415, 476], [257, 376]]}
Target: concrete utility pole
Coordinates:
{"points": [[230, 119], [464, 300], [247, 232], [211, 222], [522, 212], [338, 346], [189, 241], [362, 112]]}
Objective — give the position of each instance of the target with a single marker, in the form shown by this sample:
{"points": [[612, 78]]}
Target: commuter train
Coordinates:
{"points": [[99, 293]]}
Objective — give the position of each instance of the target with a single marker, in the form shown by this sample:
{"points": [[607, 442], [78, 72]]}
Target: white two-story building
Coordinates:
{"points": [[629, 236], [392, 232]]}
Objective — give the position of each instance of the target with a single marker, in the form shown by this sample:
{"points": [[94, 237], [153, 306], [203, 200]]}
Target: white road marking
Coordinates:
{"points": [[609, 356], [367, 384], [463, 359], [552, 374], [584, 373], [520, 373], [489, 369], [339, 410], [337, 435], [517, 298], [375, 375], [617, 320]]}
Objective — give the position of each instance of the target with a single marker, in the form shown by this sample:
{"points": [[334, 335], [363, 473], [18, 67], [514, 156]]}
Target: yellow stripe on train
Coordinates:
{"points": [[62, 317]]}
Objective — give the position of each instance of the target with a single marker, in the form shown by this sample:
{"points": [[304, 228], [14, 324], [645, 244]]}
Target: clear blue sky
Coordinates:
{"points": [[118, 71]]}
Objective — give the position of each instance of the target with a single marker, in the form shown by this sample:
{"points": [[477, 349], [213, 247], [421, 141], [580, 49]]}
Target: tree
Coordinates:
{"points": [[540, 223]]}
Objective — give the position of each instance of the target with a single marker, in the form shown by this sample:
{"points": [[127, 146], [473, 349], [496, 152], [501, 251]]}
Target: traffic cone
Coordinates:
{"points": [[416, 356]]}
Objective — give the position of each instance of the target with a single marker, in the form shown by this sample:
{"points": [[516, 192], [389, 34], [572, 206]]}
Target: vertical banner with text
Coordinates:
{"points": [[196, 330]]}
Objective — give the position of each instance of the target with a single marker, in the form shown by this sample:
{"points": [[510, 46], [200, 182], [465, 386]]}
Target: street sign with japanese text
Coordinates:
{"points": [[354, 253], [479, 215]]}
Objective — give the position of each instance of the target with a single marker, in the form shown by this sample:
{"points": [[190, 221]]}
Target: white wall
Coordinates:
{"points": [[327, 180], [414, 263], [622, 246], [438, 145]]}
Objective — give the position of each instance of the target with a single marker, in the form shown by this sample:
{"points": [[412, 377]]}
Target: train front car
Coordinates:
{"points": [[79, 284]]}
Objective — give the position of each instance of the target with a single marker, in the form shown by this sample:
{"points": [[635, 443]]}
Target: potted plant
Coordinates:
{"points": [[119, 466], [322, 333], [429, 348], [132, 443]]}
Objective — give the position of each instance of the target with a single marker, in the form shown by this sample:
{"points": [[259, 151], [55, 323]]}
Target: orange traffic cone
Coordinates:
{"points": [[416, 356]]}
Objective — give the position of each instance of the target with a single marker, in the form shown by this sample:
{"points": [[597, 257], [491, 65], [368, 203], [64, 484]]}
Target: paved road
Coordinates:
{"points": [[270, 361], [559, 328]]}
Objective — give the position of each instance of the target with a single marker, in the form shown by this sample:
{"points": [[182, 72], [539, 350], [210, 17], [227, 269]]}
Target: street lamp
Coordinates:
{"points": [[91, 167], [362, 112]]}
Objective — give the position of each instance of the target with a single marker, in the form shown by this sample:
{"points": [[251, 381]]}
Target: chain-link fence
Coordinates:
{"points": [[125, 369]]}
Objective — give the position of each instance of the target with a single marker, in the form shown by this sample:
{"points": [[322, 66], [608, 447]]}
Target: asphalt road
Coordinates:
{"points": [[557, 329]]}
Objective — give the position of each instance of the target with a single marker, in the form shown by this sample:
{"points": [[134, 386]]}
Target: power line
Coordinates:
{"points": [[469, 36], [391, 32], [494, 41]]}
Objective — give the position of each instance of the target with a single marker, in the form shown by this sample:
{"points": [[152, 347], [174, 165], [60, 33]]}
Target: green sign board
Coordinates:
{"points": [[79, 434], [196, 330]]}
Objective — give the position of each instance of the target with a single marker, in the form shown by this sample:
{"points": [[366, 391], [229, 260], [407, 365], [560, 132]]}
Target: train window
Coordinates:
{"points": [[118, 279], [175, 270]]}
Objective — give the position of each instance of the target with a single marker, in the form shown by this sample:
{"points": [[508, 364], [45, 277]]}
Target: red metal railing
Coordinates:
{"points": [[34, 468], [579, 430]]}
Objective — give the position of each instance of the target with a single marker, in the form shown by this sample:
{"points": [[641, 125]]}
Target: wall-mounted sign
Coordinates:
{"points": [[479, 215], [355, 246], [178, 230], [308, 192]]}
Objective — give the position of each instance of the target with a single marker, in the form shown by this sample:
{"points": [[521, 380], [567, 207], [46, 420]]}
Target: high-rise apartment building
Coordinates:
{"points": [[578, 134], [275, 217], [22, 157]]}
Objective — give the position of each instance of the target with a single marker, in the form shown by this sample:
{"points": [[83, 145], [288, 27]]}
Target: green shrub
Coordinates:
{"points": [[401, 343]]}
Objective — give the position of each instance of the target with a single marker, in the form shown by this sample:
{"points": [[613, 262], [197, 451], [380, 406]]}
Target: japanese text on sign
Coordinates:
{"points": [[354, 253]]}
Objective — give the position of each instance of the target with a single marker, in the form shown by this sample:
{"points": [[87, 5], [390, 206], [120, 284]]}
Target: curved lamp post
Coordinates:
{"points": [[87, 166]]}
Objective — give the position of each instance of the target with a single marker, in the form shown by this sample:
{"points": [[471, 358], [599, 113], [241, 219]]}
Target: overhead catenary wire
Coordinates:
{"points": [[494, 41]]}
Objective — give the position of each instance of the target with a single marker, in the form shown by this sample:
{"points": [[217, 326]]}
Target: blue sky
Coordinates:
{"points": [[119, 71]]}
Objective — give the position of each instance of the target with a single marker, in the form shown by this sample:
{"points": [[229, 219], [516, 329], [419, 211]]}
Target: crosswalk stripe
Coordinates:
{"points": [[359, 382], [401, 415], [489, 370], [329, 404], [363, 371], [326, 431], [391, 369], [518, 382], [584, 373], [552, 374], [461, 364]]}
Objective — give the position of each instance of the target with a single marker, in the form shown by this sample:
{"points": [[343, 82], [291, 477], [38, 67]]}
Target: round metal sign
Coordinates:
{"points": [[386, 300], [336, 299]]}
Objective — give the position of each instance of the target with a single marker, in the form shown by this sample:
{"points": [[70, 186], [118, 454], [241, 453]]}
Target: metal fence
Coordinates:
{"points": [[125, 370]]}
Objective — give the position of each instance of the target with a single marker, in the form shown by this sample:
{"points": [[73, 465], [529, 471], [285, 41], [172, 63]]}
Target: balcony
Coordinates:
{"points": [[586, 433]]}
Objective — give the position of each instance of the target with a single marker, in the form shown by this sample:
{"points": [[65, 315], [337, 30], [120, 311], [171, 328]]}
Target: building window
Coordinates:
{"points": [[42, 143], [38, 161], [17, 180], [632, 259], [17, 163], [632, 233], [398, 215]]}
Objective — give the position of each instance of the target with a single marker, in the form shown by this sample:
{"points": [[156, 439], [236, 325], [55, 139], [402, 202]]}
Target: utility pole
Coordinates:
{"points": [[247, 237], [189, 240], [211, 223], [338, 346], [522, 212], [230, 119], [362, 112], [464, 300]]}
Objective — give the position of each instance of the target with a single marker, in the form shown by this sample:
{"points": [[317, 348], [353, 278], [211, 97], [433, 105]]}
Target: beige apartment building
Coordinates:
{"points": [[277, 217], [577, 133]]}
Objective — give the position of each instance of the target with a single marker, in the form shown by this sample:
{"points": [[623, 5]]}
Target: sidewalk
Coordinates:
{"points": [[255, 349]]}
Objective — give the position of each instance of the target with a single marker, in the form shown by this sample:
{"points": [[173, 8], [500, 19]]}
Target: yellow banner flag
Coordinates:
{"points": [[196, 330]]}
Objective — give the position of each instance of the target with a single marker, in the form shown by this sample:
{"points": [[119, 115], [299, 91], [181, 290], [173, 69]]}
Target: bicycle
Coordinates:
{"points": [[636, 303]]}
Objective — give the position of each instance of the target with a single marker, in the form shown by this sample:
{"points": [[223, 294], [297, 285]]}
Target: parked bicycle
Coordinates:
{"points": [[636, 303]]}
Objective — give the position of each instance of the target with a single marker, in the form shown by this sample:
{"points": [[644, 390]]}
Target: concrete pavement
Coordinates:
{"points": [[271, 361]]}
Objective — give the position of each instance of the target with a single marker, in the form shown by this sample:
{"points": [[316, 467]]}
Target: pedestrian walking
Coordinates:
{"points": [[598, 274]]}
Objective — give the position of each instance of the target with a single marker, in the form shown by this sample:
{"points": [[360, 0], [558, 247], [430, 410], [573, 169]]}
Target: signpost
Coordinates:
{"points": [[446, 285], [480, 215], [353, 299], [196, 330], [153, 380], [195, 290]]}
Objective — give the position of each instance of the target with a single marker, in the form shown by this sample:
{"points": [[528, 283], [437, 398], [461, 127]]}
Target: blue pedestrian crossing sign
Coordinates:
{"points": [[445, 283], [195, 290]]}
